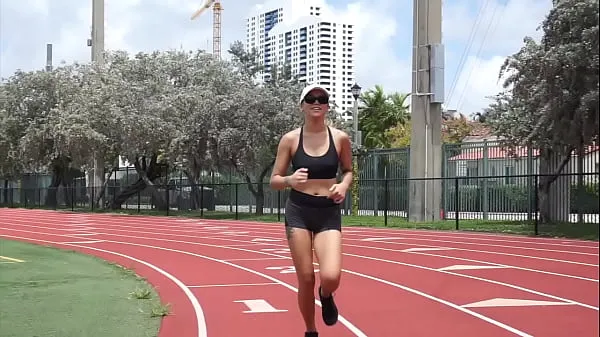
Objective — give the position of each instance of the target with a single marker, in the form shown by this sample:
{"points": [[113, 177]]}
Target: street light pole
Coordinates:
{"points": [[356, 94], [358, 141]]}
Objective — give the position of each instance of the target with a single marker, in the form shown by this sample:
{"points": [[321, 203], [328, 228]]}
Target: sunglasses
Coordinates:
{"points": [[312, 99]]}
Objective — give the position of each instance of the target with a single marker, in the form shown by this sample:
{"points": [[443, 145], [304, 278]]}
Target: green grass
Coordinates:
{"points": [[59, 293]]}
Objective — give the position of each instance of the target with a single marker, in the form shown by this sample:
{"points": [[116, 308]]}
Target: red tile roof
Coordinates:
{"points": [[496, 152]]}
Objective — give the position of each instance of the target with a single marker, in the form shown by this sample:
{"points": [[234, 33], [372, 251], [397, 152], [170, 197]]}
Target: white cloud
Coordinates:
{"points": [[383, 28], [376, 58], [478, 80], [500, 32]]}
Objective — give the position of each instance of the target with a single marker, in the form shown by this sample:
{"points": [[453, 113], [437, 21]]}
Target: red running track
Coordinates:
{"points": [[233, 278]]}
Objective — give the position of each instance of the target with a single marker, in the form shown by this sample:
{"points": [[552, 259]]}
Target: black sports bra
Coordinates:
{"points": [[321, 167]]}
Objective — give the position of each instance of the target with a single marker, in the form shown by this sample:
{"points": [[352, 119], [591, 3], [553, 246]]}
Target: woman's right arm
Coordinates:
{"points": [[282, 162]]}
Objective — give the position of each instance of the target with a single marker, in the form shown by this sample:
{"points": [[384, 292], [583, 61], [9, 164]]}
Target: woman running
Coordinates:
{"points": [[312, 211]]}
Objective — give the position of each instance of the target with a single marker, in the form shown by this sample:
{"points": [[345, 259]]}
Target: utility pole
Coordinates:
{"points": [[97, 44], [426, 112]]}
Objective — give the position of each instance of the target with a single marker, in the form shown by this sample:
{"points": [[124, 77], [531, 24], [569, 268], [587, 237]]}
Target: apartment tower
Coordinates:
{"points": [[305, 35]]}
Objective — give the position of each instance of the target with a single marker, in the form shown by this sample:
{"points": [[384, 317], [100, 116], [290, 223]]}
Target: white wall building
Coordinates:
{"points": [[319, 48]]}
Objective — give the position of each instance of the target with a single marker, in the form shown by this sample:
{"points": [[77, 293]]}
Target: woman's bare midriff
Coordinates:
{"points": [[316, 187]]}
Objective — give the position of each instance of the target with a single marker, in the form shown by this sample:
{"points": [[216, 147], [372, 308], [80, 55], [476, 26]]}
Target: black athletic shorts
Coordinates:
{"points": [[315, 213]]}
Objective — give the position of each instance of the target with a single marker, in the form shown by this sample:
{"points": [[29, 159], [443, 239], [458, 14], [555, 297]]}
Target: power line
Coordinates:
{"points": [[476, 62], [466, 50]]}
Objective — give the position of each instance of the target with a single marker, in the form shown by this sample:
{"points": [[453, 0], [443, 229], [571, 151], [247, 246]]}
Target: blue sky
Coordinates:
{"points": [[384, 39]]}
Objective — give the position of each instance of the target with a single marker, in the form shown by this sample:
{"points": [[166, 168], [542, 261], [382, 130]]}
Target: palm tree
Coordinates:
{"points": [[379, 113]]}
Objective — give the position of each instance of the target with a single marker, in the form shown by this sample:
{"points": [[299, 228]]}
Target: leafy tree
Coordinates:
{"points": [[455, 128], [42, 132], [378, 114], [159, 111], [146, 128], [400, 135], [247, 61], [550, 100], [203, 105], [264, 112]]}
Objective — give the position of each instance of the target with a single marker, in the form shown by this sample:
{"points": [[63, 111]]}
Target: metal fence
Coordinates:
{"points": [[467, 203], [481, 181]]}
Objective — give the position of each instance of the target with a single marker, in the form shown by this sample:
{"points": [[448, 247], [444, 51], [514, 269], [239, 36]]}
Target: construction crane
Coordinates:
{"points": [[216, 4]]}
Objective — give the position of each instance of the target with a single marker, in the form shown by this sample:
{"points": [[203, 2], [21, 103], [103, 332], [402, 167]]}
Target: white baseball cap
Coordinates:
{"points": [[310, 88]]}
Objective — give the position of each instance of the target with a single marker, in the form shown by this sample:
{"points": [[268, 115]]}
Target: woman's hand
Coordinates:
{"points": [[337, 192], [297, 178]]}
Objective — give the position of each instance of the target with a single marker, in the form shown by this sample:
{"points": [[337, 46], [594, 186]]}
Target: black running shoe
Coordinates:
{"points": [[311, 334], [329, 309]]}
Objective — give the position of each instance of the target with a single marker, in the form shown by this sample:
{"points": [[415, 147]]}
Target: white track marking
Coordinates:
{"points": [[470, 267], [414, 291], [391, 261], [482, 236], [341, 319], [7, 259], [233, 285], [508, 266], [271, 227], [424, 249], [81, 242], [139, 229], [382, 239], [511, 302], [531, 291], [393, 243], [493, 253], [258, 306], [381, 260], [256, 259]]}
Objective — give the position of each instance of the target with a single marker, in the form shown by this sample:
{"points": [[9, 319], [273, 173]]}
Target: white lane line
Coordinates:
{"points": [[233, 285], [531, 291], [344, 321]]}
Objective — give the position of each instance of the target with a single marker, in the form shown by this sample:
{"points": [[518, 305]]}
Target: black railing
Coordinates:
{"points": [[570, 207]]}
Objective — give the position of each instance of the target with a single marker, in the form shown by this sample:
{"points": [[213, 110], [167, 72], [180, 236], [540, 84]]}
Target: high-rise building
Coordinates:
{"points": [[303, 34]]}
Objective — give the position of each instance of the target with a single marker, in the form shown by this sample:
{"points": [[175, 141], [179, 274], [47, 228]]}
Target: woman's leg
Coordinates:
{"points": [[328, 249], [300, 243]]}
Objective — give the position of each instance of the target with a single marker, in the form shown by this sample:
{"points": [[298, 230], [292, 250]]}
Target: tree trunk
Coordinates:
{"points": [[195, 193], [259, 191], [100, 194], [161, 202], [58, 173], [148, 172], [52, 195], [127, 193], [554, 189], [260, 199], [5, 192]]}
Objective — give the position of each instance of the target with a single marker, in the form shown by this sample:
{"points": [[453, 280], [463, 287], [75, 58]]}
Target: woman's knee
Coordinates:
{"points": [[306, 278], [330, 278]]}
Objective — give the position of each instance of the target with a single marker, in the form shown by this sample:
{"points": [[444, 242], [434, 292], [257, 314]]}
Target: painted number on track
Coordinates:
{"points": [[258, 306]]}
